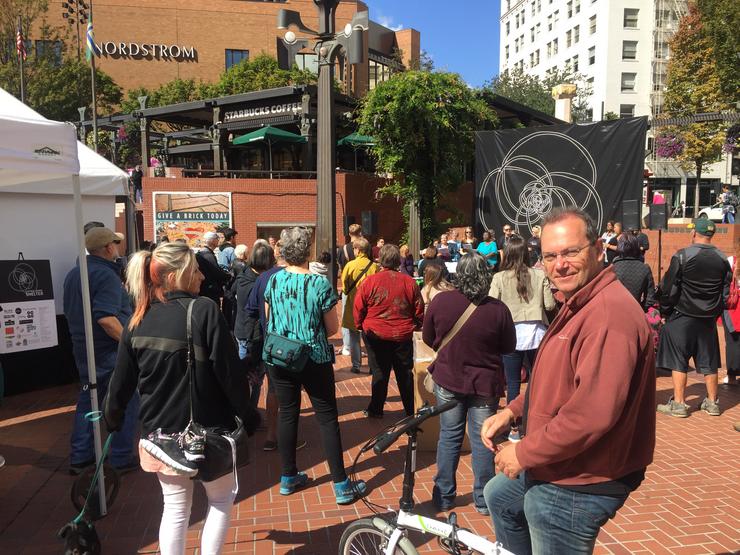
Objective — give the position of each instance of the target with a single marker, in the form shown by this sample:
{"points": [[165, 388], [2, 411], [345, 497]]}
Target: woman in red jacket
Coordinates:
{"points": [[388, 308]]}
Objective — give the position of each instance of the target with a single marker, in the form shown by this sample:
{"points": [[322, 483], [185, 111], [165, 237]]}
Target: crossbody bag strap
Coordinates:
{"points": [[189, 370], [458, 326], [357, 280]]}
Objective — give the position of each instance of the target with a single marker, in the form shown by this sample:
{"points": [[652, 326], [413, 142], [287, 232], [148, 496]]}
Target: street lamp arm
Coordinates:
{"points": [[292, 18]]}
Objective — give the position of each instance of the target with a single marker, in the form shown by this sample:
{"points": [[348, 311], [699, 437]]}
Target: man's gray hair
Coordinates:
{"points": [[559, 214], [295, 245], [473, 277]]}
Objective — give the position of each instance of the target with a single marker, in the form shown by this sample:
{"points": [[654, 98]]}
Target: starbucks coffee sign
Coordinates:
{"points": [[288, 108], [136, 50]]}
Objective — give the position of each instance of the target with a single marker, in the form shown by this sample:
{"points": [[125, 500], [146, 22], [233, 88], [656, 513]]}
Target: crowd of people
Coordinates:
{"points": [[535, 309]]}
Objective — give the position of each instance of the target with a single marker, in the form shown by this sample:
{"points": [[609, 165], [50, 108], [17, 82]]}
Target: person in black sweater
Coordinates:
{"points": [[152, 358], [636, 276], [214, 278]]}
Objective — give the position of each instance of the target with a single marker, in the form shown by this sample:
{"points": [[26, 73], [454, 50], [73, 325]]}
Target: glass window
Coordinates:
{"points": [[626, 110], [568, 38], [506, 50], [630, 18], [555, 47], [50, 49], [629, 50], [578, 6], [574, 63], [628, 82], [592, 55], [533, 8], [549, 22], [576, 34], [592, 24], [378, 73], [556, 17], [539, 6], [307, 61], [508, 27], [233, 57], [570, 8], [531, 34]]}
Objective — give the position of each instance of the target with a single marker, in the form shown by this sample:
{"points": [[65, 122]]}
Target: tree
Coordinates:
{"points": [[610, 116], [423, 124], [30, 11], [693, 87], [720, 17], [260, 72], [536, 93]]}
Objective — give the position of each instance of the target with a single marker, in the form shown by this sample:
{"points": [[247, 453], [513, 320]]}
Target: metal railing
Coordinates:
{"points": [[249, 174]]}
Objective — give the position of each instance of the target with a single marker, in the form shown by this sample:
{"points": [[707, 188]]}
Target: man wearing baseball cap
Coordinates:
{"points": [[111, 310], [692, 295]]}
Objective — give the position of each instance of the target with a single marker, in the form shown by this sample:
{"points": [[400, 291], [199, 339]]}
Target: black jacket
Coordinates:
{"points": [[697, 282], [153, 358], [637, 277], [214, 277], [243, 286]]}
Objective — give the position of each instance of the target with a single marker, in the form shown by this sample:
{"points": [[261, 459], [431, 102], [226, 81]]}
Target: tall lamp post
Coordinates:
{"points": [[328, 46]]}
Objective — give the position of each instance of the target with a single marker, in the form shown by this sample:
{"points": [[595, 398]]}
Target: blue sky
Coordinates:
{"points": [[460, 36]]}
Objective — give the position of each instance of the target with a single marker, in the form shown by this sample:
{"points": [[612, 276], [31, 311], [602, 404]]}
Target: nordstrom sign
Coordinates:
{"points": [[138, 50]]}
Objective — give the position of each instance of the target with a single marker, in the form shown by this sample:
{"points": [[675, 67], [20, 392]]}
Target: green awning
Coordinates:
{"points": [[355, 139], [270, 135]]}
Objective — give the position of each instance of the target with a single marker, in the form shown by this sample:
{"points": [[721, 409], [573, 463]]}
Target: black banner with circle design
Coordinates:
{"points": [[522, 174]]}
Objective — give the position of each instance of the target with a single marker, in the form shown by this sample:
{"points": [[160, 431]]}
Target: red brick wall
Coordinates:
{"points": [[678, 236], [284, 201]]}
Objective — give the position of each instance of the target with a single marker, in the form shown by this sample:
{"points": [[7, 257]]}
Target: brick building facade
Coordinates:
{"points": [[150, 42]]}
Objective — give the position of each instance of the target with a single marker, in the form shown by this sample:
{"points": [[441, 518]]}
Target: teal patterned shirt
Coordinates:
{"points": [[297, 306]]}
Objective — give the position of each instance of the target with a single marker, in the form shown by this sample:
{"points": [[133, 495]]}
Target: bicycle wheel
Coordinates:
{"points": [[369, 537]]}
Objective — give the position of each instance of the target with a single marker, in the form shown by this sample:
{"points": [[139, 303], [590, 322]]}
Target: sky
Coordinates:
{"points": [[461, 36]]}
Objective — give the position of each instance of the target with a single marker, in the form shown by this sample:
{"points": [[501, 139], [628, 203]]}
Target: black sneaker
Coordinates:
{"points": [[75, 469], [166, 448], [193, 442]]}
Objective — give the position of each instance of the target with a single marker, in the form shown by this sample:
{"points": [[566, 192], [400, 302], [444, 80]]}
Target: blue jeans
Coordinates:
{"points": [[345, 331], [513, 371], [728, 218], [83, 448], [546, 519], [451, 433], [355, 350]]}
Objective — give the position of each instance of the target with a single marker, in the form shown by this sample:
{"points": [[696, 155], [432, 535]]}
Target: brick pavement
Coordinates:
{"points": [[688, 504]]}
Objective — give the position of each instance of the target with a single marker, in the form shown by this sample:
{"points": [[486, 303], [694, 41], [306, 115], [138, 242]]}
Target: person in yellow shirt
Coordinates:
{"points": [[353, 273]]}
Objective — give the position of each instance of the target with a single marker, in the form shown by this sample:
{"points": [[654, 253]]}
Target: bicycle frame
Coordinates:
{"points": [[407, 520]]}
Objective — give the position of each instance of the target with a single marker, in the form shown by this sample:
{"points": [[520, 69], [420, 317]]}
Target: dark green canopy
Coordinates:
{"points": [[355, 139], [269, 134]]}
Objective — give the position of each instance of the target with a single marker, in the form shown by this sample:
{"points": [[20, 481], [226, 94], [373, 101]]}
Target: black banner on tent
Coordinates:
{"points": [[25, 280], [522, 174]]}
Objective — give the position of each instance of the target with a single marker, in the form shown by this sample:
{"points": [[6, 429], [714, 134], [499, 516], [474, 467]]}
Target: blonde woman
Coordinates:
{"points": [[152, 359]]}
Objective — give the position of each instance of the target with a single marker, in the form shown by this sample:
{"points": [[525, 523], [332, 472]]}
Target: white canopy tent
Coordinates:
{"points": [[41, 163]]}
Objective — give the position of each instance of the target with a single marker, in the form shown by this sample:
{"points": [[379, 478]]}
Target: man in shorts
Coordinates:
{"points": [[692, 295]]}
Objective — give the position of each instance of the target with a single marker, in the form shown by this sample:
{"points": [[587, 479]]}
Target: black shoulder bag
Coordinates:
{"points": [[284, 352], [225, 450]]}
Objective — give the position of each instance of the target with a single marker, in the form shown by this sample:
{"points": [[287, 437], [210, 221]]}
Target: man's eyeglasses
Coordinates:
{"points": [[567, 254]]}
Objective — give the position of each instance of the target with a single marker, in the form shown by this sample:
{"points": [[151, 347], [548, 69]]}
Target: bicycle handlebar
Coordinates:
{"points": [[389, 438]]}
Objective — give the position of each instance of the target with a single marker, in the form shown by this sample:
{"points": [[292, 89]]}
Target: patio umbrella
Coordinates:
{"points": [[269, 135], [355, 140]]}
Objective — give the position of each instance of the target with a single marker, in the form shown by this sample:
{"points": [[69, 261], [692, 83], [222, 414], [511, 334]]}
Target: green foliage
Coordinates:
{"points": [[57, 91], [693, 86], [537, 93], [423, 124], [721, 19], [260, 72], [610, 116], [30, 11]]}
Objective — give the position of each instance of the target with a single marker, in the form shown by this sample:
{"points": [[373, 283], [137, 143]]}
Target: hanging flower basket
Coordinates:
{"points": [[669, 145]]}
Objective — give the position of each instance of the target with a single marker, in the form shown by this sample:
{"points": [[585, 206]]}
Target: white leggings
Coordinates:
{"points": [[178, 500]]}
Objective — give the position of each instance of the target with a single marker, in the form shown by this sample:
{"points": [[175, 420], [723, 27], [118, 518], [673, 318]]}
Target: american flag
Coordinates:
{"points": [[20, 44]]}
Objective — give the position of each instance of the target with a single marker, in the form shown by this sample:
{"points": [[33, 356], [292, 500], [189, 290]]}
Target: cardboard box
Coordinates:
{"points": [[429, 436]]}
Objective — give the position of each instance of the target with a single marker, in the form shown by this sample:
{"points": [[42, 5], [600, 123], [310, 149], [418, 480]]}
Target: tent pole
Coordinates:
{"points": [[87, 314]]}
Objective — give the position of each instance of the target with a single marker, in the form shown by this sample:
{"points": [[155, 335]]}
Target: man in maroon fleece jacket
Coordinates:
{"points": [[588, 416]]}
